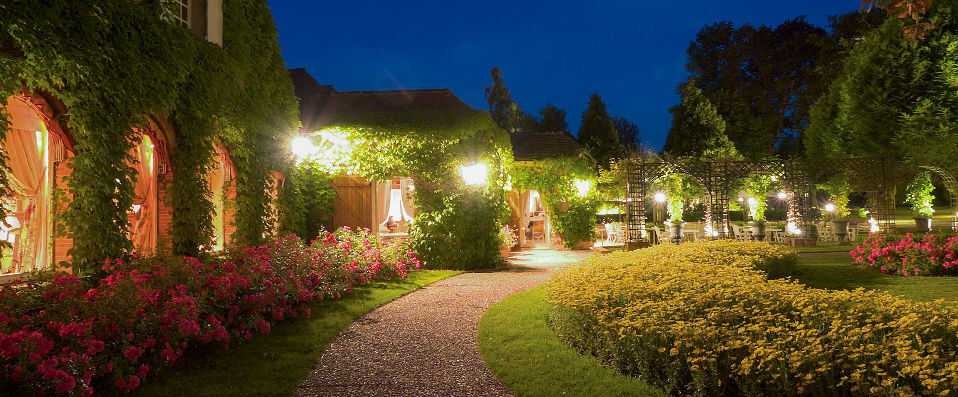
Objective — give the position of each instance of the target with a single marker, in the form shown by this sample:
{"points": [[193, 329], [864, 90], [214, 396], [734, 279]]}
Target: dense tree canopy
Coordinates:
{"points": [[506, 113], [553, 119], [597, 132], [894, 98], [697, 127], [628, 134], [761, 80]]}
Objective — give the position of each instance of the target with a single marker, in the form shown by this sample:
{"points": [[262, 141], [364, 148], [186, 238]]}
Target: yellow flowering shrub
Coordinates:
{"points": [[703, 318]]}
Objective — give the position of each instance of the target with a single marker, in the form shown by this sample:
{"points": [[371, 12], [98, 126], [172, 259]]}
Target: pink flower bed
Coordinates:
{"points": [[912, 255], [59, 336]]}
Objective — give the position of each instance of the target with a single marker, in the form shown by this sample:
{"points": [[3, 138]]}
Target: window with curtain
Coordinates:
{"points": [[142, 215], [28, 224]]}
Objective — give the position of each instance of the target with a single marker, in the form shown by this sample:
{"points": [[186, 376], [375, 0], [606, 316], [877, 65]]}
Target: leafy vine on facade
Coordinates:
{"points": [[111, 68]]}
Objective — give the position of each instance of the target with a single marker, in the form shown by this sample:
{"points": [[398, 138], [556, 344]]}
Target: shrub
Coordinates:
{"points": [[701, 319], [911, 255], [577, 223], [919, 193], [464, 234], [58, 335]]}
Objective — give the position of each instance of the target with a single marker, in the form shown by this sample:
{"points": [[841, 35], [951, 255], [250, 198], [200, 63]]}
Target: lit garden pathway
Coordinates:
{"points": [[424, 343]]}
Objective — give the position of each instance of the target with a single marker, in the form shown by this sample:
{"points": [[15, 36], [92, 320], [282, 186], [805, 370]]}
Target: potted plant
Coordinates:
{"points": [[838, 188], [918, 193], [675, 223], [509, 239], [758, 187]]}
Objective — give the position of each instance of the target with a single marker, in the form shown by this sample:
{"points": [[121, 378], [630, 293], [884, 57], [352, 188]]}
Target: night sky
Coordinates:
{"points": [[631, 52]]}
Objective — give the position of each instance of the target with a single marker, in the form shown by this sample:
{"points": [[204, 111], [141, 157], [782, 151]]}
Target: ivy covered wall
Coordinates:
{"points": [[573, 212], [107, 65]]}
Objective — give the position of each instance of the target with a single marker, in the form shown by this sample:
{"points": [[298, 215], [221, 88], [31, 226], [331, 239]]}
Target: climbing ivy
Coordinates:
{"points": [[573, 216], [306, 202], [114, 62], [456, 225]]}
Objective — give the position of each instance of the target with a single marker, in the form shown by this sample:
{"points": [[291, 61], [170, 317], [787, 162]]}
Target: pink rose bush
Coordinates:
{"points": [[911, 255], [58, 335]]}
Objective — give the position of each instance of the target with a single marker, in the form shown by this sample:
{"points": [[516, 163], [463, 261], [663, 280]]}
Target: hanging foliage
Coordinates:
{"points": [[573, 212], [114, 62]]}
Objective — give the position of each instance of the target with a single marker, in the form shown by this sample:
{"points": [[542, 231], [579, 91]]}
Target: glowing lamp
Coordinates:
{"points": [[740, 199], [793, 229], [303, 147], [475, 174], [660, 197], [830, 207], [582, 187], [782, 195]]}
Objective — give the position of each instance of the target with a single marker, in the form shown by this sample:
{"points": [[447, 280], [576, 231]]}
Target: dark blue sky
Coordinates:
{"points": [[631, 52]]}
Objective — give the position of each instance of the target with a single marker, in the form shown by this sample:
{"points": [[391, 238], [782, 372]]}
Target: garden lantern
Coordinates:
{"points": [[303, 147], [582, 187], [830, 207], [660, 197], [475, 174], [782, 195]]}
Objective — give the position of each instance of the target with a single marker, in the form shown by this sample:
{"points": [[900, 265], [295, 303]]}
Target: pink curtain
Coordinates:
{"points": [[383, 189], [407, 198], [216, 180], [143, 228], [25, 146]]}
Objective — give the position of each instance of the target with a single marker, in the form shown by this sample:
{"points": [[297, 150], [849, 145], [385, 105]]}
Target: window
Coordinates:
{"points": [[178, 12]]}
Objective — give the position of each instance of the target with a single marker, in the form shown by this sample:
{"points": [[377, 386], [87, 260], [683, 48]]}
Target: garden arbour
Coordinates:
{"points": [[875, 177]]}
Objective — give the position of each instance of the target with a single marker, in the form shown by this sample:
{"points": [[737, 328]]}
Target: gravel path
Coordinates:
{"points": [[424, 343]]}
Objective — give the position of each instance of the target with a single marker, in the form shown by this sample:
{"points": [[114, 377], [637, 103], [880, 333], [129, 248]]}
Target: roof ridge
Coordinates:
{"points": [[419, 90]]}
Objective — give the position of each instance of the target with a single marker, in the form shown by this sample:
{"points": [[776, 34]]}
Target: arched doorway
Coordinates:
{"points": [[952, 187]]}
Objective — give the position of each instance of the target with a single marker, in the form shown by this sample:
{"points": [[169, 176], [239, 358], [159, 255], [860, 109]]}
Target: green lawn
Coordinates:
{"points": [[834, 271], [905, 220], [523, 352], [827, 247], [273, 364]]}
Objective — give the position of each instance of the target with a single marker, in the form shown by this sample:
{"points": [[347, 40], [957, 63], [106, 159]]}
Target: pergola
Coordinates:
{"points": [[797, 178]]}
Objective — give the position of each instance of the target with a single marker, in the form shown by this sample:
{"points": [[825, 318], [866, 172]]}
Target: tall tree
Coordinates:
{"points": [[628, 134], [597, 132], [697, 128], [894, 98], [761, 80], [553, 119], [502, 108], [527, 122]]}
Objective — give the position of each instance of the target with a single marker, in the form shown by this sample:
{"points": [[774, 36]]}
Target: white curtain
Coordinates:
{"points": [[397, 209]]}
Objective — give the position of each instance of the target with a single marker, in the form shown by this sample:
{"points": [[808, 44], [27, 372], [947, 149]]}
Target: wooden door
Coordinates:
{"points": [[353, 202]]}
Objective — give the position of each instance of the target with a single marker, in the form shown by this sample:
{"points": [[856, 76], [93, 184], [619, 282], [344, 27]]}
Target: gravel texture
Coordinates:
{"points": [[424, 343]]}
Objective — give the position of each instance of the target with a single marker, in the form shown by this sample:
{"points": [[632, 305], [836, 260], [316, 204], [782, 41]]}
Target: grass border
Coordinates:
{"points": [[273, 364], [526, 355]]}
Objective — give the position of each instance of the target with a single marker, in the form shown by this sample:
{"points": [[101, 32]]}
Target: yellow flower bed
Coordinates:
{"points": [[702, 319]]}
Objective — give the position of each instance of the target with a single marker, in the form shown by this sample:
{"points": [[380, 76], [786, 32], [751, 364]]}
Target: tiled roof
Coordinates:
{"points": [[527, 146], [321, 105]]}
